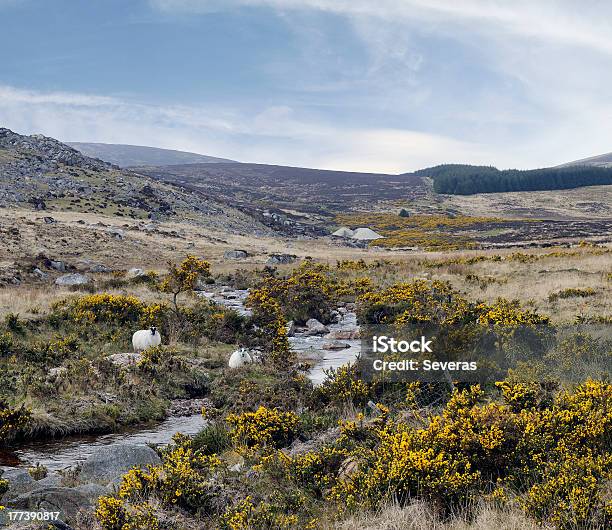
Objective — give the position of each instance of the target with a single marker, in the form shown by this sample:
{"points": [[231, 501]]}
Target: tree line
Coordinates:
{"points": [[463, 179]]}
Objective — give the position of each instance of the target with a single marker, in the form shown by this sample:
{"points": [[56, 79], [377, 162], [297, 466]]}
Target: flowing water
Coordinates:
{"points": [[66, 452]]}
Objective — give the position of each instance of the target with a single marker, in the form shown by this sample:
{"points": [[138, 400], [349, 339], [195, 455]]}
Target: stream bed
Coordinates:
{"points": [[62, 453]]}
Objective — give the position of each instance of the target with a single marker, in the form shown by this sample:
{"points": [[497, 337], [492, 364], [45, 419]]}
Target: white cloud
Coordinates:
{"points": [[273, 135], [564, 22]]}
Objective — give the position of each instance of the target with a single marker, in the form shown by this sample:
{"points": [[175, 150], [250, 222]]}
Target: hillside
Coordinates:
{"points": [[124, 155], [302, 189], [599, 161], [48, 175], [459, 179]]}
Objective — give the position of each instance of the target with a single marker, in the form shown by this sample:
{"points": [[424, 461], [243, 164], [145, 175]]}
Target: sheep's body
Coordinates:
{"points": [[145, 338], [239, 358]]}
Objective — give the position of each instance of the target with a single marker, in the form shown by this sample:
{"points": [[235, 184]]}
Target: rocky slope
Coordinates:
{"points": [[50, 175]]}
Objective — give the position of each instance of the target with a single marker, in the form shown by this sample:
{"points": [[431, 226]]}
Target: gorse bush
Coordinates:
{"points": [[184, 480], [12, 421], [111, 309], [272, 334], [264, 428], [572, 292]]}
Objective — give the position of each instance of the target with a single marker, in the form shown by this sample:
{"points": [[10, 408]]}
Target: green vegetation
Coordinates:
{"points": [[459, 179]]}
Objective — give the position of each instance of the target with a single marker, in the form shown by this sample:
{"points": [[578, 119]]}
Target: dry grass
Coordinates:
{"points": [[419, 516], [77, 240]]}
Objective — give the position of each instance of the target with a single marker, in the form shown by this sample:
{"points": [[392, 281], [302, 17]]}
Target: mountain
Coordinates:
{"points": [[599, 161], [125, 155], [49, 175]]}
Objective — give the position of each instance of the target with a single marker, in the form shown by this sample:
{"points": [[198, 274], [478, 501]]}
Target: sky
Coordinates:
{"points": [[362, 85]]}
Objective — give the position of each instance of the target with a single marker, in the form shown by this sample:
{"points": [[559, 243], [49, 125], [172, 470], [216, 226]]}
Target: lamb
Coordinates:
{"points": [[145, 338], [240, 358]]}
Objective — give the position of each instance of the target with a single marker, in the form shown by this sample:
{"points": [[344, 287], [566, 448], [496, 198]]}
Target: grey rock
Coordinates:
{"points": [[109, 464], [57, 265], [290, 328], [335, 345], [117, 233], [50, 481], [124, 359], [343, 334], [315, 327], [20, 482], [72, 279], [99, 267], [42, 275], [67, 501], [49, 220], [281, 259], [235, 254], [133, 272]]}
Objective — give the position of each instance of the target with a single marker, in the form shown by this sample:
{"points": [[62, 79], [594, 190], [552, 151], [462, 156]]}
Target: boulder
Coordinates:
{"points": [[40, 274], [117, 233], [57, 265], [281, 259], [343, 334], [124, 359], [108, 464], [99, 267], [235, 254], [49, 220], [134, 272], [67, 501], [290, 328], [72, 279], [315, 327], [19, 481], [335, 345]]}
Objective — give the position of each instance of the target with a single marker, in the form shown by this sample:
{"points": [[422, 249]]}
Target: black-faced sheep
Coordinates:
{"points": [[146, 338]]}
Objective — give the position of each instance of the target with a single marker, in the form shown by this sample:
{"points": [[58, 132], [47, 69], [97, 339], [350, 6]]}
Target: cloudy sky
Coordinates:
{"points": [[376, 85]]}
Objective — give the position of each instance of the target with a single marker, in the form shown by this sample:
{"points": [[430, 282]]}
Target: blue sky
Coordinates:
{"points": [[386, 85]]}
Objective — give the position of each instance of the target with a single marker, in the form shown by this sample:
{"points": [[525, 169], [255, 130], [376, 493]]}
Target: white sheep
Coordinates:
{"points": [[240, 358], [145, 338]]}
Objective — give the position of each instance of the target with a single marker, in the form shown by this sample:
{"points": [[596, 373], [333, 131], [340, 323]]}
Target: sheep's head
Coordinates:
{"points": [[153, 330], [244, 354]]}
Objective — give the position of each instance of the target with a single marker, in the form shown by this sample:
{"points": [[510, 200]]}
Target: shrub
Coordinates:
{"points": [[183, 278], [212, 439], [572, 292], [246, 515], [341, 385], [264, 428], [13, 323], [12, 421], [267, 315], [6, 344]]}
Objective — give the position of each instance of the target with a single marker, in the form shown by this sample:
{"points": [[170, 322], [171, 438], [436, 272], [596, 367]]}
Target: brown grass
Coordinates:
{"points": [[419, 516]]}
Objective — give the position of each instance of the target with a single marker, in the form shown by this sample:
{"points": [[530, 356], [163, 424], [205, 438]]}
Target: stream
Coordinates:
{"points": [[66, 452]]}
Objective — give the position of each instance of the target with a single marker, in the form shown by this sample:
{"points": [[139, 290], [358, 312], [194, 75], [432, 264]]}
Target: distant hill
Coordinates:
{"points": [[461, 179], [303, 189], [124, 155], [599, 161]]}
